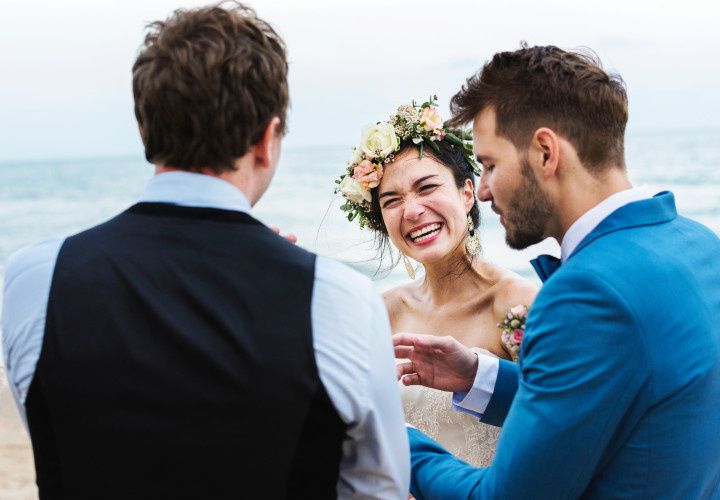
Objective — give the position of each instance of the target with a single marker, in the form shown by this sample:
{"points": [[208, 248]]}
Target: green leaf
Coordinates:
{"points": [[421, 148], [453, 139], [434, 145]]}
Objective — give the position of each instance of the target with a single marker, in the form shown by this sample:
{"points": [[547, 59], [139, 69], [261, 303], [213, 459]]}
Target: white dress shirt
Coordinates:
{"points": [[477, 399], [351, 338]]}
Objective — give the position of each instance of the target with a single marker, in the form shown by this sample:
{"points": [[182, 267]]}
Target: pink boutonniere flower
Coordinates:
{"points": [[513, 329]]}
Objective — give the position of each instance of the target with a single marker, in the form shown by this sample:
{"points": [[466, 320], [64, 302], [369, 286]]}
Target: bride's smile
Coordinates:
{"points": [[423, 209], [425, 233]]}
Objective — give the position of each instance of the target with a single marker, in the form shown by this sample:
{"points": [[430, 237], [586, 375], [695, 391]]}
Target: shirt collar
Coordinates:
{"points": [[194, 190], [590, 219]]}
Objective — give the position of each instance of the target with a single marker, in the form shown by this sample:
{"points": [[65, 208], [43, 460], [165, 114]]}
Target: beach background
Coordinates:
{"points": [[50, 199], [70, 156]]}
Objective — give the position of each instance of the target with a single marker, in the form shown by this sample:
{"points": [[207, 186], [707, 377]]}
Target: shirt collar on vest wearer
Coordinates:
{"points": [[590, 219], [191, 189]]}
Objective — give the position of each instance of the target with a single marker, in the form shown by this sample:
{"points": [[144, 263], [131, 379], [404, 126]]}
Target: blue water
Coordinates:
{"points": [[45, 199]]}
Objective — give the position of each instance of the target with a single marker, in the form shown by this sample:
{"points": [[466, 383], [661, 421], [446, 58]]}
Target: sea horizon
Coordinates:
{"points": [[52, 198]]}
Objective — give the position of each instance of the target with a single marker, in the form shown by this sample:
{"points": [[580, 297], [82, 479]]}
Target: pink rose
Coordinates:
{"points": [[439, 135], [368, 174], [518, 335], [519, 311], [430, 119]]}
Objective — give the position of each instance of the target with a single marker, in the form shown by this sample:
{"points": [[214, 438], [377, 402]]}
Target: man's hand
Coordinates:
{"points": [[438, 362], [290, 237]]}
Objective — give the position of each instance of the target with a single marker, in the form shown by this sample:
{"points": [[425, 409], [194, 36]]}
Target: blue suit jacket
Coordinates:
{"points": [[618, 393]]}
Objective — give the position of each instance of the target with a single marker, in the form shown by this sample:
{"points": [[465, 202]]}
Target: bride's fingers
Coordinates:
{"points": [[404, 369], [290, 236]]}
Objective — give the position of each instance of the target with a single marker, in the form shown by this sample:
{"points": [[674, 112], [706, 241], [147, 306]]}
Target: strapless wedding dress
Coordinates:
{"points": [[461, 434]]}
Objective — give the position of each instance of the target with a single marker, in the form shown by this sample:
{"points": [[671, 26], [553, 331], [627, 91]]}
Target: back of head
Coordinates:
{"points": [[206, 83], [568, 92]]}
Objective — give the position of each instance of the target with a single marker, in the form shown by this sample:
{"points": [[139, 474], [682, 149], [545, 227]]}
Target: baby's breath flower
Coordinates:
{"points": [[407, 113]]}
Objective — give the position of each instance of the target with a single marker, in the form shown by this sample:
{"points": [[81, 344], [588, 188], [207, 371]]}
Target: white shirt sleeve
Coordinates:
{"points": [[476, 401], [354, 355], [25, 297]]}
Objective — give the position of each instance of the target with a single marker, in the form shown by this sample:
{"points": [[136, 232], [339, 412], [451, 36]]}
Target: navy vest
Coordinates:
{"points": [[178, 363]]}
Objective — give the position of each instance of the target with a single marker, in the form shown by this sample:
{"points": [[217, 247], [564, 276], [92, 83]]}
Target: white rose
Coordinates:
{"points": [[379, 140], [357, 156], [353, 190]]}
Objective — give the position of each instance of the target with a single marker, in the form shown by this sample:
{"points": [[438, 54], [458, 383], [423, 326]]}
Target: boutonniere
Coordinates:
{"points": [[513, 329]]}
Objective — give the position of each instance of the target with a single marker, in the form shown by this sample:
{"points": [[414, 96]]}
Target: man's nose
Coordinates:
{"points": [[483, 191]]}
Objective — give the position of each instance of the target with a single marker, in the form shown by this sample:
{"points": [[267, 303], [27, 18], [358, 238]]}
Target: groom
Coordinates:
{"points": [[183, 349], [617, 394]]}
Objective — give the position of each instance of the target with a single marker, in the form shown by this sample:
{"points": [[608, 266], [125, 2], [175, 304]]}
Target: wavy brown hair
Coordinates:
{"points": [[549, 87], [206, 83]]}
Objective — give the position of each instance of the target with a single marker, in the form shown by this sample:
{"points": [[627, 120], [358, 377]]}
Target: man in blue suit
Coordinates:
{"points": [[617, 392]]}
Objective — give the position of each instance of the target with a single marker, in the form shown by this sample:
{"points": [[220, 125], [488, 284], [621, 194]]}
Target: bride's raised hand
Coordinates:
{"points": [[290, 236], [438, 362]]}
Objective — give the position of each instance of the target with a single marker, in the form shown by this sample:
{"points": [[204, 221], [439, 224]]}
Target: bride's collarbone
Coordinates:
{"points": [[470, 325], [465, 304]]}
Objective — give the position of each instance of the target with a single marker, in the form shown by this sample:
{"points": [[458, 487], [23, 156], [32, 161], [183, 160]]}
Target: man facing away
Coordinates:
{"points": [[617, 394], [183, 349]]}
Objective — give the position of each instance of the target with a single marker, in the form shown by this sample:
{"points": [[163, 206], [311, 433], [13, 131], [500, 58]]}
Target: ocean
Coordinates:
{"points": [[46, 199]]}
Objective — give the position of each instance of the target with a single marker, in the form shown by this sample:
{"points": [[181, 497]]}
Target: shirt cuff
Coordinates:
{"points": [[475, 401]]}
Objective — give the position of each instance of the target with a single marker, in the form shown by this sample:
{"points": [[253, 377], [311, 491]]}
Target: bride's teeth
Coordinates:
{"points": [[425, 233]]}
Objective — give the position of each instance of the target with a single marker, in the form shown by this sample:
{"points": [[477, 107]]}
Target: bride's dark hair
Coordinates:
{"points": [[448, 155]]}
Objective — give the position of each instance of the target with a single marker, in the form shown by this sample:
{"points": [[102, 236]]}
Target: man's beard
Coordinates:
{"points": [[528, 214]]}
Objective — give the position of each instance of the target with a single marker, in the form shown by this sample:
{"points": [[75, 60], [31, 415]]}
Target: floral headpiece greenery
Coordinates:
{"points": [[379, 143]]}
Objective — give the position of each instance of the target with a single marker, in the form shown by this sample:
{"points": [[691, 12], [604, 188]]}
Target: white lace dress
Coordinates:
{"points": [[461, 434]]}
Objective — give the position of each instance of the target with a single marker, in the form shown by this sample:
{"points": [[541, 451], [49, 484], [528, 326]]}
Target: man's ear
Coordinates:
{"points": [[545, 151], [264, 150]]}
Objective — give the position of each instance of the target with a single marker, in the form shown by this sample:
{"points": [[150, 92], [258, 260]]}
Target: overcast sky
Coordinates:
{"points": [[65, 65]]}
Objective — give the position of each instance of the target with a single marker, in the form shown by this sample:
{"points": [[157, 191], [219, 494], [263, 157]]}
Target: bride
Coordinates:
{"points": [[411, 181]]}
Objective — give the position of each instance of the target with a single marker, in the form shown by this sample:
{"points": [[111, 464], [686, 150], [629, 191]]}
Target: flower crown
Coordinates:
{"points": [[379, 143]]}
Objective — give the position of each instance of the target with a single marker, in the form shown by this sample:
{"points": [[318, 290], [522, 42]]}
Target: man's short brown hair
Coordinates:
{"points": [[206, 84], [568, 92]]}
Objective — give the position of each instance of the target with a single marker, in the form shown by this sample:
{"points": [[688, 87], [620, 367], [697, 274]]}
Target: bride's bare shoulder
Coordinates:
{"points": [[511, 290], [399, 301], [397, 297]]}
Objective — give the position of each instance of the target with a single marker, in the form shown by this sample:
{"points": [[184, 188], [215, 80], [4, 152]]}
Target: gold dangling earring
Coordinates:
{"points": [[408, 267], [472, 241]]}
